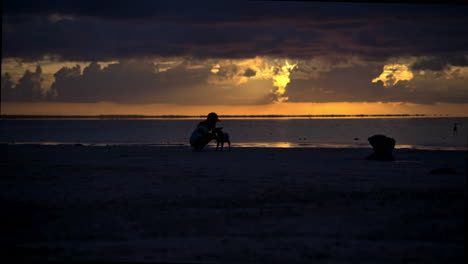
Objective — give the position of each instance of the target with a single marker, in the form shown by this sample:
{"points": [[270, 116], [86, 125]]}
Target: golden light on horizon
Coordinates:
{"points": [[285, 108]]}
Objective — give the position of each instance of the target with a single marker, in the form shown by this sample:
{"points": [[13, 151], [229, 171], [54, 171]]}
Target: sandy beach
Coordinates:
{"points": [[247, 205]]}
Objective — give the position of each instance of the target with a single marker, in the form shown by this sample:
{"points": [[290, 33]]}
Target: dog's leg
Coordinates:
{"points": [[217, 145], [229, 144]]}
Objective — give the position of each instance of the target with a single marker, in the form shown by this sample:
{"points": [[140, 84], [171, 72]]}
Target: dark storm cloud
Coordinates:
{"points": [[28, 88], [125, 82], [249, 73], [105, 30], [134, 82], [440, 63], [352, 84], [104, 9], [338, 85]]}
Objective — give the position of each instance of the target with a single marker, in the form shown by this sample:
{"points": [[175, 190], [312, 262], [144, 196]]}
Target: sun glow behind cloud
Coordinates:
{"points": [[242, 70], [237, 83], [281, 80], [225, 73], [393, 73]]}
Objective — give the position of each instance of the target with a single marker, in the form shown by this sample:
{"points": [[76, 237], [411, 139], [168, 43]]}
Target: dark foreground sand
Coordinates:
{"points": [[250, 205]]}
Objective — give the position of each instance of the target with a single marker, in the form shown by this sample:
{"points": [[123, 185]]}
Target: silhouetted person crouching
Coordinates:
{"points": [[204, 132]]}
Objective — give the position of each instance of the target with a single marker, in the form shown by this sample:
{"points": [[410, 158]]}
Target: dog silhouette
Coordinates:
{"points": [[221, 138]]}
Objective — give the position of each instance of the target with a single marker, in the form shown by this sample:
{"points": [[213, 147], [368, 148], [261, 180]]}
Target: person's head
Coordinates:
{"points": [[212, 118]]}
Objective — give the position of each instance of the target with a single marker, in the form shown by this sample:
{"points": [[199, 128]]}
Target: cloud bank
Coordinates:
{"points": [[237, 82], [104, 30], [233, 52]]}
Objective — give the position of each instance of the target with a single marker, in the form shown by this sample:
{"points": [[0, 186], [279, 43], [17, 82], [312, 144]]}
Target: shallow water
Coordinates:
{"points": [[421, 133]]}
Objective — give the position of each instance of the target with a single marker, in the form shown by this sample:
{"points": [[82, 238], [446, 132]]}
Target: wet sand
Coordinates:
{"points": [[254, 205]]}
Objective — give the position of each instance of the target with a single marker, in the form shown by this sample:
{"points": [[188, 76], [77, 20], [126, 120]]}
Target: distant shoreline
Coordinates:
{"points": [[237, 145], [199, 116]]}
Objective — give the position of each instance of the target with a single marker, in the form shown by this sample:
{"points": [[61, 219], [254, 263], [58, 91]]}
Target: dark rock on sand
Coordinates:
{"points": [[383, 147]]}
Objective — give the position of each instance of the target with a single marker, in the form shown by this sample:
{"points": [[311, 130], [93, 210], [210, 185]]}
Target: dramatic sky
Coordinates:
{"points": [[233, 57]]}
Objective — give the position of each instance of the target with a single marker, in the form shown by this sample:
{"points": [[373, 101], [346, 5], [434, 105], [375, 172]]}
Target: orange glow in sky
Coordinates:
{"points": [[341, 108]]}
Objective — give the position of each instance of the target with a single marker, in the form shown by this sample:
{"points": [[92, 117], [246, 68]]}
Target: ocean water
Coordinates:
{"points": [[420, 133]]}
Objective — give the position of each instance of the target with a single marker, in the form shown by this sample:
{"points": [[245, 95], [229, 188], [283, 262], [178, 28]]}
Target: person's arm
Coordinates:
{"points": [[202, 130]]}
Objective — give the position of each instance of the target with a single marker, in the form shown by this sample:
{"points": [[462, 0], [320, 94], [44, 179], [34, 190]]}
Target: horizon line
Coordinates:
{"points": [[104, 116]]}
